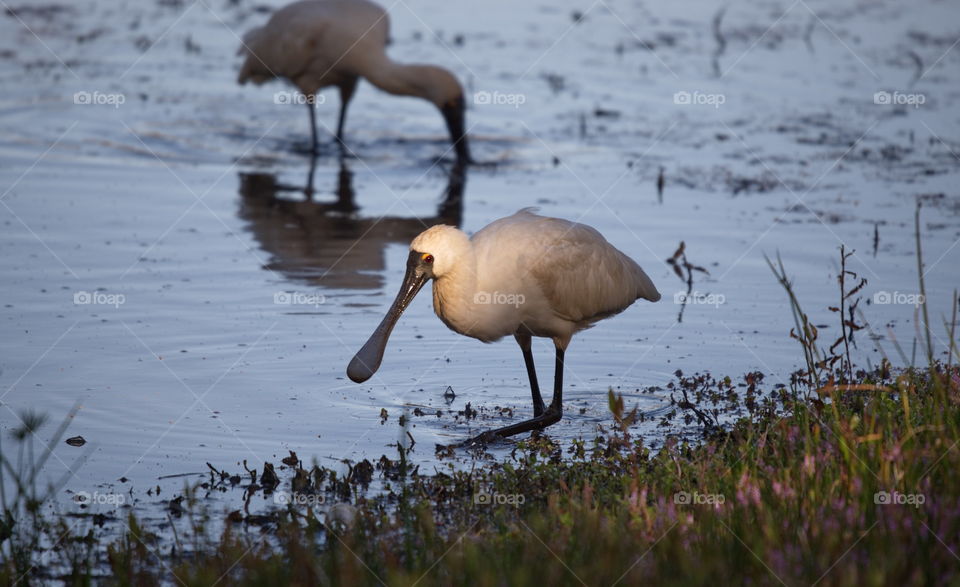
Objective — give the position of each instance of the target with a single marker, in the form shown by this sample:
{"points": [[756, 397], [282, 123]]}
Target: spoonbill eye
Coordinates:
{"points": [[427, 258]]}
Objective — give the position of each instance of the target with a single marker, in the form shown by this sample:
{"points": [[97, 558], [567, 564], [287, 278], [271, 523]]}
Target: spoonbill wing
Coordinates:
{"points": [[583, 277], [309, 41]]}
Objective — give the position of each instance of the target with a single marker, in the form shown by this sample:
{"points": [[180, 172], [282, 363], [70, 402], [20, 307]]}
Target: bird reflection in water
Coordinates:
{"points": [[326, 243]]}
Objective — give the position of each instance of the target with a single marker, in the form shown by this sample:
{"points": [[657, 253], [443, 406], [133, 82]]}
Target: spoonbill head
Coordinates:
{"points": [[321, 43], [524, 275]]}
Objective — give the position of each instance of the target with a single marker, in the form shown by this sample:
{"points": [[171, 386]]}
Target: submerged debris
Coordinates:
{"points": [[175, 506], [269, 477], [449, 395]]}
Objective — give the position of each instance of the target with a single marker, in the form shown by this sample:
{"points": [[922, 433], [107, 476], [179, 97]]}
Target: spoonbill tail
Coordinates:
{"points": [[320, 43], [524, 275]]}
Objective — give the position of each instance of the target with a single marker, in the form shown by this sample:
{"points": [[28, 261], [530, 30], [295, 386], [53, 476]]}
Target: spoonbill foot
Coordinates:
{"points": [[549, 417]]}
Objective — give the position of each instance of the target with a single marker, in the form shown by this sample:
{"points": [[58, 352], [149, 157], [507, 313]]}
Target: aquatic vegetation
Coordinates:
{"points": [[840, 484]]}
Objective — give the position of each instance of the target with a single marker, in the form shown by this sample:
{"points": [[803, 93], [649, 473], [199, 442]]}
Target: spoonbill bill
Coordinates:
{"points": [[320, 43], [524, 275]]}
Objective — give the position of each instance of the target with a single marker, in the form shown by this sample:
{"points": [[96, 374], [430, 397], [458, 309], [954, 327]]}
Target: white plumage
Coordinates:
{"points": [[564, 275], [524, 275]]}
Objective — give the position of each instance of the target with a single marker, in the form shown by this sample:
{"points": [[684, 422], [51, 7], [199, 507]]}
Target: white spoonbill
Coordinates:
{"points": [[319, 43], [525, 275]]}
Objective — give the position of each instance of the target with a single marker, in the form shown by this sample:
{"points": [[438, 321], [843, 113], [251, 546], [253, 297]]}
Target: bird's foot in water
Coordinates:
{"points": [[549, 416], [482, 440], [479, 442]]}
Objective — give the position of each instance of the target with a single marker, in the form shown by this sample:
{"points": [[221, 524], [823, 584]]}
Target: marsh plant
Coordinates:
{"points": [[34, 537]]}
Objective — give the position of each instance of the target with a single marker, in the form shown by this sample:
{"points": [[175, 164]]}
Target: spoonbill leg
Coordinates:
{"points": [[550, 416], [313, 128], [347, 89], [524, 341]]}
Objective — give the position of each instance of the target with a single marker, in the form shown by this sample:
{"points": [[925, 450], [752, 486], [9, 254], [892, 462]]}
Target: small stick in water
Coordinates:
{"points": [[808, 33], [918, 72], [721, 41], [660, 182]]}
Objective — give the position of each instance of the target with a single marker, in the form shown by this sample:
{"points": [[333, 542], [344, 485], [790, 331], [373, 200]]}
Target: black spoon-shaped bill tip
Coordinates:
{"points": [[367, 360]]}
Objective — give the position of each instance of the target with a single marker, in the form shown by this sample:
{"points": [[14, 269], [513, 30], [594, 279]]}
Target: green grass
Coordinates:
{"points": [[788, 493]]}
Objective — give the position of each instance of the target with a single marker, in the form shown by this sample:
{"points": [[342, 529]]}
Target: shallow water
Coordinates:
{"points": [[164, 270]]}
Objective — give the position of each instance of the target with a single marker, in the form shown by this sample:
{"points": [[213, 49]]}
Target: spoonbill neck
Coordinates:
{"points": [[429, 82], [399, 79]]}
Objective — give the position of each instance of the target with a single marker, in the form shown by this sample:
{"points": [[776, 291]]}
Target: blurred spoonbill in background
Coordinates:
{"points": [[320, 43], [524, 275]]}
